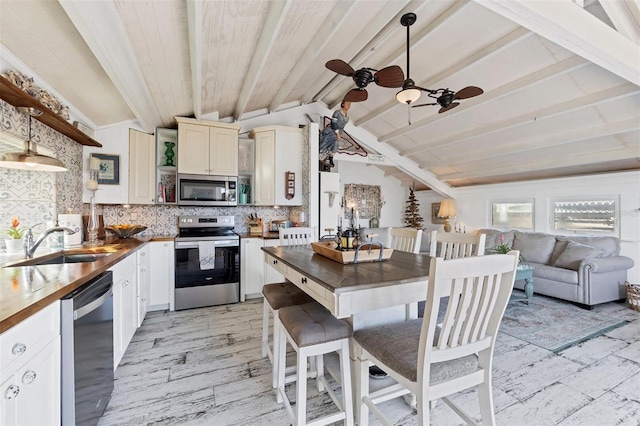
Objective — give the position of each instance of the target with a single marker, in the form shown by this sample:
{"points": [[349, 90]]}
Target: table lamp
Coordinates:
{"points": [[447, 210]]}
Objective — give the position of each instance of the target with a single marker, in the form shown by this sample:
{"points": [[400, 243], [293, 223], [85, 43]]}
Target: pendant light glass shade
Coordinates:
{"points": [[29, 159], [408, 96]]}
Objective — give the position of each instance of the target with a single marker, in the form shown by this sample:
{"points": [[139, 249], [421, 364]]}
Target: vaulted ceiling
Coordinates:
{"points": [[561, 78]]}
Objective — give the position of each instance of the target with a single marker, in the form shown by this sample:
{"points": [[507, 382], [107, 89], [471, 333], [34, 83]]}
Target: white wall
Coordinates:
{"points": [[394, 195], [473, 205]]}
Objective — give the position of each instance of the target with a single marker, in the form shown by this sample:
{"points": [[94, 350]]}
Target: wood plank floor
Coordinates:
{"points": [[204, 367]]}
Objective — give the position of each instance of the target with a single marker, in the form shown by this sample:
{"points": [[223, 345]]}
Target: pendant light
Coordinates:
{"points": [[29, 159]]}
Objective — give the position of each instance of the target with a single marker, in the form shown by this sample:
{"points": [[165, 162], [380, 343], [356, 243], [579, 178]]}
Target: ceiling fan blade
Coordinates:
{"points": [[391, 76], [452, 106], [341, 67], [468, 92], [356, 95]]}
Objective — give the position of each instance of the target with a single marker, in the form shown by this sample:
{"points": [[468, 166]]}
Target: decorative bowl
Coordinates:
{"points": [[125, 231]]}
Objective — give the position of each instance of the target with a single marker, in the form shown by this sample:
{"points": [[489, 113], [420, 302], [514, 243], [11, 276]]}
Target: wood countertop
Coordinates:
{"points": [[264, 235], [24, 290]]}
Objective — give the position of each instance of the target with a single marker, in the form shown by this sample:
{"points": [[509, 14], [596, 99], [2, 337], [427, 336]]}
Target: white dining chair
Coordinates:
{"points": [[454, 245], [436, 361], [405, 239], [297, 236]]}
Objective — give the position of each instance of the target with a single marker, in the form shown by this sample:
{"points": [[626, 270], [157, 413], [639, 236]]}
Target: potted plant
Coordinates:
{"points": [[503, 248], [14, 233]]}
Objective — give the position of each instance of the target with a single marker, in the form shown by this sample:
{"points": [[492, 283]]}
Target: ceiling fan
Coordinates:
{"points": [[410, 93], [391, 76]]}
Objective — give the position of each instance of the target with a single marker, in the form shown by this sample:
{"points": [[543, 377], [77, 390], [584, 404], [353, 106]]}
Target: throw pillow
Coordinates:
{"points": [[575, 253], [535, 247]]}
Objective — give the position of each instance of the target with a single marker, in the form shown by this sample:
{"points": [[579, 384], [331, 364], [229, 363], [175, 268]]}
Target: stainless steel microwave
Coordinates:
{"points": [[205, 190]]}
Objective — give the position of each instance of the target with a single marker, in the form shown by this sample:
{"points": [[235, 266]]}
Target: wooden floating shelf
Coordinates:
{"points": [[18, 98]]}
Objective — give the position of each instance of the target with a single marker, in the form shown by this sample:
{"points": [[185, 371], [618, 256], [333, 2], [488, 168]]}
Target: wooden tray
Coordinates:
{"points": [[328, 249]]}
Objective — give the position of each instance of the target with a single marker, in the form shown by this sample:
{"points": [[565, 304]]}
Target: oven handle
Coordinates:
{"points": [[218, 243]]}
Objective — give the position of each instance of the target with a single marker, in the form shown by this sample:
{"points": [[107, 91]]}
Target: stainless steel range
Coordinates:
{"points": [[207, 262]]}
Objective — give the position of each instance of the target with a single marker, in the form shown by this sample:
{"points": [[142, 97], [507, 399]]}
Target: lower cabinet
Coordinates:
{"points": [[143, 281], [162, 275], [254, 271], [30, 370], [125, 309]]}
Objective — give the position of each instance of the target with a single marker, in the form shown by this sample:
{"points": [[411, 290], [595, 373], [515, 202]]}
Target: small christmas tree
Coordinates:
{"points": [[411, 214]]}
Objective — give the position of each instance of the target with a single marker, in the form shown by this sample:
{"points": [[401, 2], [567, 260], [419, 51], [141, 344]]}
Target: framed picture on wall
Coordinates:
{"points": [[435, 208], [109, 172]]}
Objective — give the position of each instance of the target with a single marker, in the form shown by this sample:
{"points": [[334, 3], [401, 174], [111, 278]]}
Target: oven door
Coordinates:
{"points": [[197, 287]]}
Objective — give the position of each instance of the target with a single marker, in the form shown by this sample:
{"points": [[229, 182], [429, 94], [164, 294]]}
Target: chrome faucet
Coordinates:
{"points": [[30, 246]]}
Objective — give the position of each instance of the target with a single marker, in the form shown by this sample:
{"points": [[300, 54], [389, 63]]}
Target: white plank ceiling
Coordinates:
{"points": [[561, 78]]}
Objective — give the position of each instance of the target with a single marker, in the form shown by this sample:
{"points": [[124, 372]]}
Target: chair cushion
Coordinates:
{"points": [[311, 324], [397, 345], [575, 253], [283, 294]]}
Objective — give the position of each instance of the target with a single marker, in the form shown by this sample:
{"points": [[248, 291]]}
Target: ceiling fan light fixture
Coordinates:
{"points": [[408, 96]]}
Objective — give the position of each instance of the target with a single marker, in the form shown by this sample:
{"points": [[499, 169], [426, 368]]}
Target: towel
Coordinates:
{"points": [[207, 254]]}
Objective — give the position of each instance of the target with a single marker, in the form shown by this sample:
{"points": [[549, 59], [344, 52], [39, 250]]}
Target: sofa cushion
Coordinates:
{"points": [[609, 245], [552, 273], [534, 247], [575, 253], [493, 237]]}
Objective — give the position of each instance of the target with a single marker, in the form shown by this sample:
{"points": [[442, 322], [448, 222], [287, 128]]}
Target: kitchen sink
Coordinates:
{"points": [[59, 258]]}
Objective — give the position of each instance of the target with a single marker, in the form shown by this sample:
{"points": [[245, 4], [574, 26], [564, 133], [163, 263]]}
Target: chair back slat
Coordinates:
{"points": [[297, 236], [478, 289], [455, 246], [405, 239]]}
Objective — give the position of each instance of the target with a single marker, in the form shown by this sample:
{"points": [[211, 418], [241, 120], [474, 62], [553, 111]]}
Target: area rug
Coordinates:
{"points": [[554, 324]]}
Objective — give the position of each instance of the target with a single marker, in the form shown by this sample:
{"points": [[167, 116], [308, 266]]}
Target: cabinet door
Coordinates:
{"points": [[270, 274], [288, 158], [193, 149], [162, 275], [252, 277], [125, 306], [264, 169], [223, 152], [31, 396], [142, 172], [143, 281]]}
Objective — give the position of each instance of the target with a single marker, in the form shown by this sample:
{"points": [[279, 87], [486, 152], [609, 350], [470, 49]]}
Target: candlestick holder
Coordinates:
{"points": [[92, 223]]}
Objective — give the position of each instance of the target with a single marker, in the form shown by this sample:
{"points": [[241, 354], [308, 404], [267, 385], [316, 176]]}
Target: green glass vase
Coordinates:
{"points": [[169, 154]]}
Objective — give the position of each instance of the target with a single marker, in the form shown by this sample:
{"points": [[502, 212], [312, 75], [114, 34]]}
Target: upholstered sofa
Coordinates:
{"points": [[586, 270]]}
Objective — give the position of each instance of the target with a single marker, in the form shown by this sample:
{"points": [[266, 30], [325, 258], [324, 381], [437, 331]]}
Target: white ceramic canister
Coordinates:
{"points": [[73, 221]]}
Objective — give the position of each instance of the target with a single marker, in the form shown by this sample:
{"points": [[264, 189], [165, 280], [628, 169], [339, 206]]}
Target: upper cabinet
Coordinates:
{"points": [[166, 165], [278, 166], [142, 173], [207, 148]]}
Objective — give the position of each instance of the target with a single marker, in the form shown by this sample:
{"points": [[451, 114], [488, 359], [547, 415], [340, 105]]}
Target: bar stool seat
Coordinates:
{"points": [[276, 296], [312, 332]]}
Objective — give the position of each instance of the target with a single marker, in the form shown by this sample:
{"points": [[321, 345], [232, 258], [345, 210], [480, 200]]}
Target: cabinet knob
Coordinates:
{"points": [[126, 283], [11, 392], [275, 262], [304, 280], [143, 254], [28, 377], [19, 349]]}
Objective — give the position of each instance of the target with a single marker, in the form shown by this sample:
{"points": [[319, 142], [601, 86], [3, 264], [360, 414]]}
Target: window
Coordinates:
{"points": [[585, 214], [512, 214]]}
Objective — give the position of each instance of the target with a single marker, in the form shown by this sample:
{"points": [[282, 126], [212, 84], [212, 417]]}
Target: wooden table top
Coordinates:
{"points": [[402, 267]]}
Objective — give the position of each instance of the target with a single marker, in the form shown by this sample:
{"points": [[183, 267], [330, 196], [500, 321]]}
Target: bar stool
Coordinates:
{"points": [[312, 332], [277, 296]]}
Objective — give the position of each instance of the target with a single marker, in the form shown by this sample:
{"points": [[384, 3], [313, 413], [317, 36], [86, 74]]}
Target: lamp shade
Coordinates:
{"points": [[447, 208], [408, 96]]}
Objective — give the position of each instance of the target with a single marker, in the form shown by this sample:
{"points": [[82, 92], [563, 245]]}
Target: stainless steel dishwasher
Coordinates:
{"points": [[87, 351]]}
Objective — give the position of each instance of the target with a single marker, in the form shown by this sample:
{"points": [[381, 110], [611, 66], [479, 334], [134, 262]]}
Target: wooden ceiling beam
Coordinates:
{"points": [[99, 25], [194, 20], [561, 108], [276, 18], [575, 29]]}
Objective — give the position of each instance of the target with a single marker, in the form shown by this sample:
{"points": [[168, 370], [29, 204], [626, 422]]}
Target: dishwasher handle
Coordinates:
{"points": [[93, 305]]}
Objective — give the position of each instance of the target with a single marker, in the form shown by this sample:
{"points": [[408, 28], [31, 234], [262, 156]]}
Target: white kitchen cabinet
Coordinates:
{"points": [[30, 370], [166, 168], [207, 148], [143, 281], [255, 272], [142, 171], [125, 309], [278, 150], [162, 266]]}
